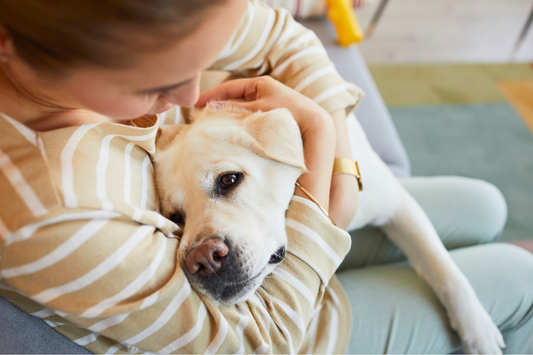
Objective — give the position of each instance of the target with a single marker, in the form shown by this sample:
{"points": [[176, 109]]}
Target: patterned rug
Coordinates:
{"points": [[470, 120]]}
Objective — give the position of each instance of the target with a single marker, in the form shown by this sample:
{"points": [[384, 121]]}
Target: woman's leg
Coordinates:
{"points": [[394, 311], [464, 212]]}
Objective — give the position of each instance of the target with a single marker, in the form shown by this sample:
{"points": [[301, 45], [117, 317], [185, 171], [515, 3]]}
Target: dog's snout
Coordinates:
{"points": [[208, 258]]}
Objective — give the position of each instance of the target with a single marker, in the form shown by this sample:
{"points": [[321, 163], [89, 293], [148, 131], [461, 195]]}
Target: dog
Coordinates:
{"points": [[227, 180]]}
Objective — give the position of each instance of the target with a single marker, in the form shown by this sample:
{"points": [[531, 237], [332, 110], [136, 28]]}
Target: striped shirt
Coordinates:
{"points": [[83, 247], [271, 42], [302, 9]]}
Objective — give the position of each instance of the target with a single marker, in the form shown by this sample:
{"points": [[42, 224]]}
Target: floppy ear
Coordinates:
{"points": [[276, 136], [165, 136]]}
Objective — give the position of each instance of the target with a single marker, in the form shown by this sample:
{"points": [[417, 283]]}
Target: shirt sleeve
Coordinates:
{"points": [[109, 284], [271, 42]]}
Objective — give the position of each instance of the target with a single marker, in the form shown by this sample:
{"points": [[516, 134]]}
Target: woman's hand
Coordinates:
{"points": [[316, 126]]}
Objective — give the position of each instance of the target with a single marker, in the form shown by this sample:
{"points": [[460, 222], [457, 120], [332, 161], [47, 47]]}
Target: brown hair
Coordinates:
{"points": [[52, 35]]}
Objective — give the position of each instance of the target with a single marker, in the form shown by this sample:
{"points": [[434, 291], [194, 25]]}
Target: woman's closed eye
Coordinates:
{"points": [[164, 90], [152, 94]]}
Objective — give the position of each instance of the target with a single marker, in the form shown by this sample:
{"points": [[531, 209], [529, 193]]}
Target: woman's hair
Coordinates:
{"points": [[52, 35]]}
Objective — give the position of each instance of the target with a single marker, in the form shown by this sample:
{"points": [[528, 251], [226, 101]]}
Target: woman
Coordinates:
{"points": [[87, 241]]}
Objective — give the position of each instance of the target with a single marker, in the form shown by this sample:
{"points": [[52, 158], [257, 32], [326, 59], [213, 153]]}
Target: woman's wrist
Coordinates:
{"points": [[344, 193], [312, 117], [342, 149], [319, 140]]}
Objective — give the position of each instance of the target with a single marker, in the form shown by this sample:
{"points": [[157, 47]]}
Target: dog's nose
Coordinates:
{"points": [[207, 258]]}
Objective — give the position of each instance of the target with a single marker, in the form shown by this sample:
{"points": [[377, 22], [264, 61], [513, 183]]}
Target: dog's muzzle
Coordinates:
{"points": [[214, 267]]}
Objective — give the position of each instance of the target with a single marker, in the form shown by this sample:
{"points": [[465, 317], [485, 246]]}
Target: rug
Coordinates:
{"points": [[520, 94], [468, 120], [484, 141]]}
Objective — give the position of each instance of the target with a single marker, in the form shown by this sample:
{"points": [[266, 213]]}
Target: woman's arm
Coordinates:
{"points": [[123, 287], [113, 283], [295, 56], [316, 126], [344, 194], [270, 42]]}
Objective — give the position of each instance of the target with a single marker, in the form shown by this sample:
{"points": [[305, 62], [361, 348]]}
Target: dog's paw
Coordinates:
{"points": [[479, 334]]}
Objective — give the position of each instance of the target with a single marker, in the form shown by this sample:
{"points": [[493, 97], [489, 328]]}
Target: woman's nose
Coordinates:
{"points": [[184, 96]]}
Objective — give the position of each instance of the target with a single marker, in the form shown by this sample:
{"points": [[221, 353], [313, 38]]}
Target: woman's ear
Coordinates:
{"points": [[276, 136], [165, 136]]}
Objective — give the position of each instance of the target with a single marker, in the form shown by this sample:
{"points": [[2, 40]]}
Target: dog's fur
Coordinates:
{"points": [[267, 148]]}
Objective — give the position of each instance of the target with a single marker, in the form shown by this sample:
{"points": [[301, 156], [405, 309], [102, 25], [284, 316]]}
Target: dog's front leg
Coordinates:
{"points": [[411, 230]]}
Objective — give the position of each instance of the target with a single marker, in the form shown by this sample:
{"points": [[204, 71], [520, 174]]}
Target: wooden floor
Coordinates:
{"points": [[447, 31]]}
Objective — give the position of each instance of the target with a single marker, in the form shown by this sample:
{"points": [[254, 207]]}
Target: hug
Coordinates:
{"points": [[181, 176]]}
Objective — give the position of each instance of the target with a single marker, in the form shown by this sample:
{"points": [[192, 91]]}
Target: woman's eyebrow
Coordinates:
{"points": [[167, 88]]}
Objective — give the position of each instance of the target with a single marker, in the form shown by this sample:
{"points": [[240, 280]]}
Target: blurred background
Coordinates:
{"points": [[444, 31], [457, 78]]}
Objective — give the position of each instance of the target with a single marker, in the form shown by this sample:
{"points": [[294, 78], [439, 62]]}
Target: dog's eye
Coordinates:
{"points": [[278, 256], [230, 180], [177, 218]]}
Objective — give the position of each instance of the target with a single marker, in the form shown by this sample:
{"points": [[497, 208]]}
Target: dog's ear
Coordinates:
{"points": [[276, 136], [165, 136]]}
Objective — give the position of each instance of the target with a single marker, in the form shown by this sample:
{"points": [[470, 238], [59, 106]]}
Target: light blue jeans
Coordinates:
{"points": [[395, 312]]}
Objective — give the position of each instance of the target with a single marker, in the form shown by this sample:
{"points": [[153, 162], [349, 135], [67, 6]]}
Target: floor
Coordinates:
{"points": [[447, 31], [460, 92], [487, 141], [475, 120], [520, 94]]}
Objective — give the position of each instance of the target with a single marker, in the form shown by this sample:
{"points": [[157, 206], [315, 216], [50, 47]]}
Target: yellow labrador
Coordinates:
{"points": [[227, 180]]}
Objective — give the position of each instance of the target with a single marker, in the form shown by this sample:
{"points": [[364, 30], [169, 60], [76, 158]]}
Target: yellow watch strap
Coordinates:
{"points": [[348, 166]]}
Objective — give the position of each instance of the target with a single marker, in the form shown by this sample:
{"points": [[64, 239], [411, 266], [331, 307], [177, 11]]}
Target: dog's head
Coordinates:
{"points": [[227, 180]]}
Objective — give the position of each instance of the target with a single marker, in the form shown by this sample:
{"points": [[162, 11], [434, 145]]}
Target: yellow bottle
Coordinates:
{"points": [[342, 15]]}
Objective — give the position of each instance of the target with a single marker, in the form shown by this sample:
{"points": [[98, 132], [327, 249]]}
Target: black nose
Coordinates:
{"points": [[208, 258]]}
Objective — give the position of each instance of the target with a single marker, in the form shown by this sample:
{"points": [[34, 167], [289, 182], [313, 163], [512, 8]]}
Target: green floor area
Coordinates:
{"points": [[453, 120], [416, 85], [485, 141]]}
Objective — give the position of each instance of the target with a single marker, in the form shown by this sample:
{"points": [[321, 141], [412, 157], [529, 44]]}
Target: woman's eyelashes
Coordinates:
{"points": [[152, 94]]}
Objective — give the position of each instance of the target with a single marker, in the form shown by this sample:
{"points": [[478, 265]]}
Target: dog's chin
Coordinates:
{"points": [[231, 293]]}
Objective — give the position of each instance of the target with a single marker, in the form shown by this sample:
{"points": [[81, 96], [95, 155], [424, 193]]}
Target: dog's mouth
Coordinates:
{"points": [[226, 290], [233, 292], [238, 282], [225, 272]]}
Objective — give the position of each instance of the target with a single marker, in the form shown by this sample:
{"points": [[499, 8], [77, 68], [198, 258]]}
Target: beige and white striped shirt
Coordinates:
{"points": [[81, 237], [271, 42], [83, 247]]}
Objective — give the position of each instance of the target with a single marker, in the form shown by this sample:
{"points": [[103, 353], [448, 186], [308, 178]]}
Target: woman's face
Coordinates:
{"points": [[158, 80]]}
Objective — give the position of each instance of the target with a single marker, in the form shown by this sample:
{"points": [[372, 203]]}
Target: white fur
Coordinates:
{"points": [[384, 202], [267, 149]]}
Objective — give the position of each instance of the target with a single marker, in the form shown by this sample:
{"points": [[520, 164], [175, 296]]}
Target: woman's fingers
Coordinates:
{"points": [[257, 105], [234, 89]]}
